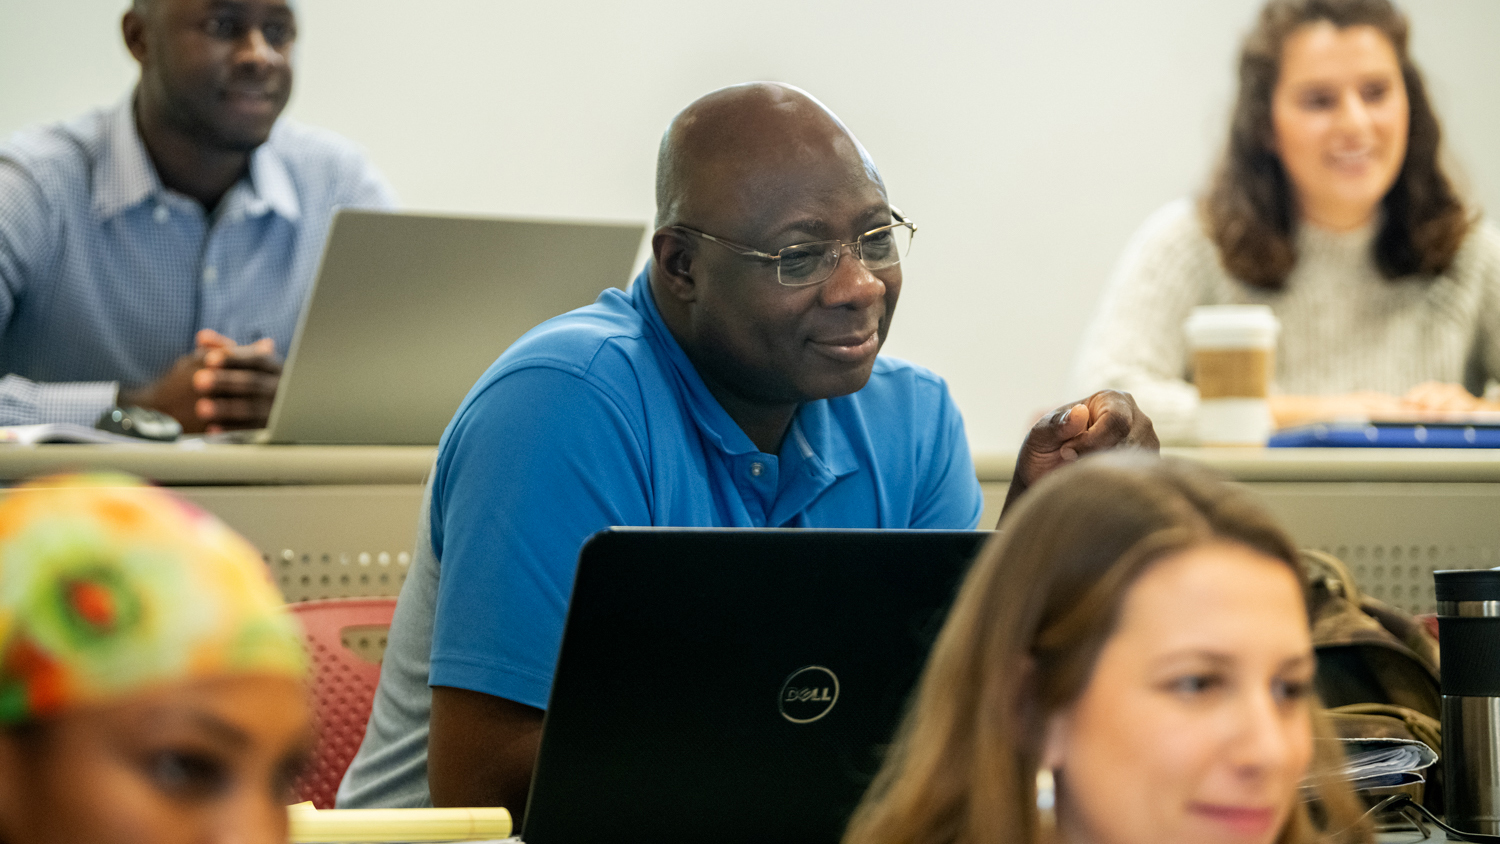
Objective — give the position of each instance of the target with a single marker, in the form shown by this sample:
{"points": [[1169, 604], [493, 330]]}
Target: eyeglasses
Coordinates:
{"points": [[806, 264]]}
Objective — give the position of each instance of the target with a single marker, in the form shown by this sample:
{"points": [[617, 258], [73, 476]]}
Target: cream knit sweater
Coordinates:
{"points": [[1344, 327]]}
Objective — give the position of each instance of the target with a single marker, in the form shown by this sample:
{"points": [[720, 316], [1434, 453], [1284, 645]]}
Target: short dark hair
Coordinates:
{"points": [[1249, 209]]}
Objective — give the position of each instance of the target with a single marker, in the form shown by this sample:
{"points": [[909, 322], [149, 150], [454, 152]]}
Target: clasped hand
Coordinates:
{"points": [[219, 386], [1105, 420]]}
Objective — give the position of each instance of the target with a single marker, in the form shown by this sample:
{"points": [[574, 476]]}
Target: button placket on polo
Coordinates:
{"points": [[762, 471], [810, 477], [758, 480]]}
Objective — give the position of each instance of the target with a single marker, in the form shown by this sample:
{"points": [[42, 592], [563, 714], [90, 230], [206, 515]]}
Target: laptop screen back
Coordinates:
{"points": [[408, 310], [735, 685]]}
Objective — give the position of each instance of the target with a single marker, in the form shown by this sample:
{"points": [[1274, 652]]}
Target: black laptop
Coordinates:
{"points": [[734, 686]]}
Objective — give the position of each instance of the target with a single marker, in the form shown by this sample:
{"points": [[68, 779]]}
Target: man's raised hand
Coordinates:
{"points": [[1107, 419]]}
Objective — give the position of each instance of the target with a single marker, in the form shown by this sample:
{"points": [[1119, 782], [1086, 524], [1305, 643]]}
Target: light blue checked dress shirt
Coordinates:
{"points": [[106, 276]]}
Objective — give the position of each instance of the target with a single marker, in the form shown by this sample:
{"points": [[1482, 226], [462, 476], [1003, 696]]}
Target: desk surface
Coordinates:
{"points": [[1412, 837], [1317, 465], [215, 465], [223, 464]]}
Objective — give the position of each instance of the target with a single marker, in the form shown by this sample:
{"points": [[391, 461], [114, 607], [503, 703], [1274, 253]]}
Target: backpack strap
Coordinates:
{"points": [[1329, 572]]}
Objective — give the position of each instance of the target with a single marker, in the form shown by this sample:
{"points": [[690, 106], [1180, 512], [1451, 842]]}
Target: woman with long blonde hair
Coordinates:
{"points": [[1129, 661]]}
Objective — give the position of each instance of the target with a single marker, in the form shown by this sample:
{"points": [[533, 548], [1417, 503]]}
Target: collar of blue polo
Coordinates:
{"points": [[822, 445], [126, 176]]}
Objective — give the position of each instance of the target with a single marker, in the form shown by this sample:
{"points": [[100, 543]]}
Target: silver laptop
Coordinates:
{"points": [[408, 310]]}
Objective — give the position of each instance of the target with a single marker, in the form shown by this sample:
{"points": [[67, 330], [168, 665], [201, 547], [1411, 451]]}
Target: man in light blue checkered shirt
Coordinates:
{"points": [[159, 252]]}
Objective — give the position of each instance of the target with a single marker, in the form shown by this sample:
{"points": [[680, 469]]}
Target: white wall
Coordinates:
{"points": [[1027, 139]]}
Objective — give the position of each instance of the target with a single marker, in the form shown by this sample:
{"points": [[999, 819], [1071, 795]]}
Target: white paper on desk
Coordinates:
{"points": [[1383, 762], [63, 433], [60, 432]]}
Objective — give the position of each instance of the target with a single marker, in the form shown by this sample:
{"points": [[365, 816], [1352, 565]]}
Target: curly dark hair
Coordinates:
{"points": [[1249, 209]]}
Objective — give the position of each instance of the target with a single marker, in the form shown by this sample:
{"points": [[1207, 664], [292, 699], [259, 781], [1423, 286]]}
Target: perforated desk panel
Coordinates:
{"points": [[1393, 515]]}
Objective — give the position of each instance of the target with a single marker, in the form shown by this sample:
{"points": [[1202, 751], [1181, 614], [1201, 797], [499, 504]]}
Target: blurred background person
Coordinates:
{"points": [[157, 252], [151, 681], [1151, 684], [1330, 205]]}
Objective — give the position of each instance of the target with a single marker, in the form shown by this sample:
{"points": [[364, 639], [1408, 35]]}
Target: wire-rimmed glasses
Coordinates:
{"points": [[806, 264]]}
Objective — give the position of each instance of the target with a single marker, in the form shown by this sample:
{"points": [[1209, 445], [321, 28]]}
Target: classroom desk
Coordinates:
{"points": [[1394, 515], [330, 521], [339, 521], [1412, 837], [1383, 838]]}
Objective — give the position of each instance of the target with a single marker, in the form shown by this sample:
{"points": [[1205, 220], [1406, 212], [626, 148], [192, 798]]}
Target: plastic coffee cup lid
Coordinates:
{"points": [[1232, 327]]}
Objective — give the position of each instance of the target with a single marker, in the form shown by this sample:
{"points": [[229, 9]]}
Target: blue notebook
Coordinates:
{"points": [[1387, 435]]}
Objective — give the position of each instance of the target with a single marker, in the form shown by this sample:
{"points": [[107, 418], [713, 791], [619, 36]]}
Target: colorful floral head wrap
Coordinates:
{"points": [[109, 586]]}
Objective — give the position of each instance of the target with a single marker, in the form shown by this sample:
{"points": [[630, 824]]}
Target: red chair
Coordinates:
{"points": [[1430, 621], [343, 687]]}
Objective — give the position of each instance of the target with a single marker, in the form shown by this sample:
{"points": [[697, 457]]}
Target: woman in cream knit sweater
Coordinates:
{"points": [[1331, 207]]}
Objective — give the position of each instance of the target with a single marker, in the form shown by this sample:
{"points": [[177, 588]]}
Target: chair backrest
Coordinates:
{"points": [[343, 687]]}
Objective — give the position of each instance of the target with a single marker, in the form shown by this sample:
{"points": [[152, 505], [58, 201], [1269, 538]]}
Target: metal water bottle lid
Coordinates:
{"points": [[1467, 586], [1469, 631]]}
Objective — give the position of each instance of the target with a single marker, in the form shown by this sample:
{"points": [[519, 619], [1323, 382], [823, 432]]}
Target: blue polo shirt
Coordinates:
{"points": [[597, 418]]}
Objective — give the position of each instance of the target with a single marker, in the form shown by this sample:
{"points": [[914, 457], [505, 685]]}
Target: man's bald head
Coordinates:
{"points": [[742, 138], [765, 167], [148, 8]]}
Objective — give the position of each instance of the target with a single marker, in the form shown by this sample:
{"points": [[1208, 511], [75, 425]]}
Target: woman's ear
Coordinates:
{"points": [[1268, 140], [1055, 740], [1053, 727]]}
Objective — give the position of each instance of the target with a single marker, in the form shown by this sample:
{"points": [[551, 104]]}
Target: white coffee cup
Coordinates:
{"points": [[1234, 354]]}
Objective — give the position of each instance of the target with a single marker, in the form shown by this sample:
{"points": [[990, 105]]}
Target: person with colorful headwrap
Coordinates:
{"points": [[152, 684]]}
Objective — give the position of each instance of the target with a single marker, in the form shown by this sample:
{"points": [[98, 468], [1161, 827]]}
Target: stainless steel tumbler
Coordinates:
{"points": [[1469, 631]]}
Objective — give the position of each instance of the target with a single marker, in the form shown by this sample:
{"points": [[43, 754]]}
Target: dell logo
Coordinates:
{"points": [[808, 694]]}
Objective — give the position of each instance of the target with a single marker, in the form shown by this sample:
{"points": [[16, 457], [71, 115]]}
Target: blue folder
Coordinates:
{"points": [[1387, 435]]}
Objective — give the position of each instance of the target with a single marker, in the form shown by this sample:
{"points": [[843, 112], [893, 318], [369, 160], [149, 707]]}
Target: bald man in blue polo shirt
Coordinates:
{"points": [[737, 383]]}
